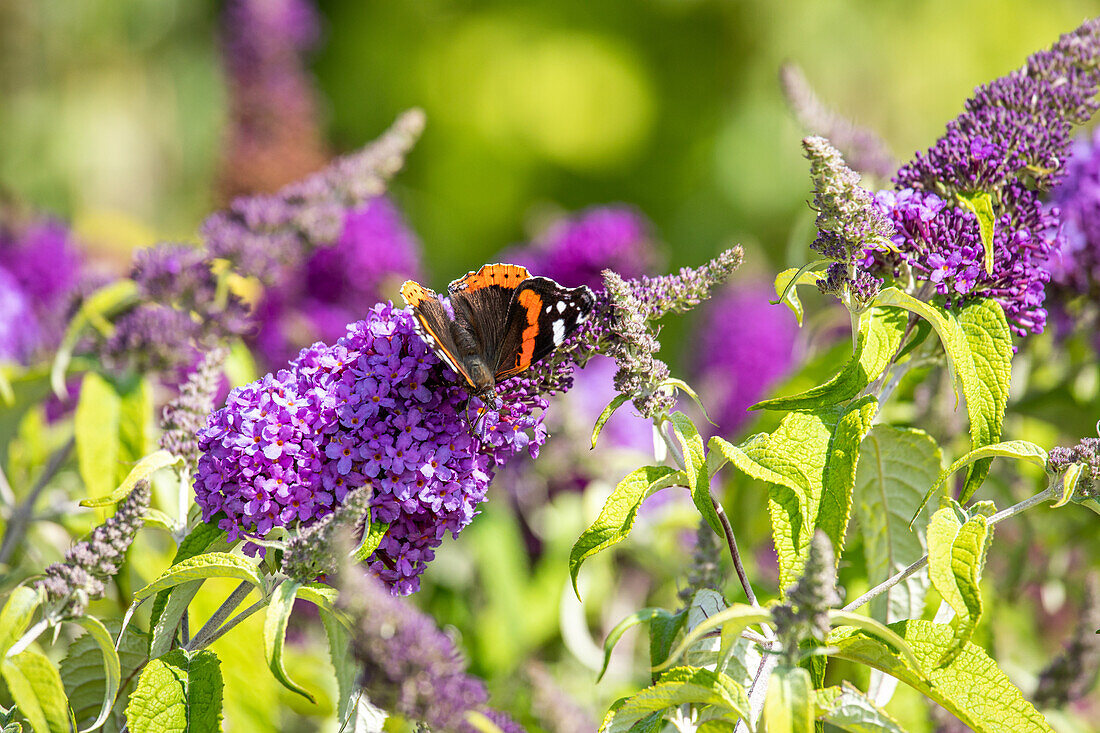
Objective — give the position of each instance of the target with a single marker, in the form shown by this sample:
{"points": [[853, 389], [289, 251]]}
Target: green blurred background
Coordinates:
{"points": [[112, 115], [112, 111]]}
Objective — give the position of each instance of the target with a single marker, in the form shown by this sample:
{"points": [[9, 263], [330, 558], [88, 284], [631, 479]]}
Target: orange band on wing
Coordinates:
{"points": [[509, 276], [532, 303]]}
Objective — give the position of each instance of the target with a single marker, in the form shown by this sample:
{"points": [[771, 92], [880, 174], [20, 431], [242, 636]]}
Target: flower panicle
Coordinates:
{"points": [[88, 564], [849, 225], [865, 151], [262, 235], [317, 548], [805, 615], [1086, 453], [186, 414]]}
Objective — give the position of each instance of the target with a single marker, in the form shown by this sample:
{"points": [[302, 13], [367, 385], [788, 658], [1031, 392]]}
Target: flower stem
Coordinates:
{"points": [[230, 604]]}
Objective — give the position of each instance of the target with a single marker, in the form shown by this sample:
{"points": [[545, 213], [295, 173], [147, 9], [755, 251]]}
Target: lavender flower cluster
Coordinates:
{"points": [[1011, 139], [374, 408], [1087, 453]]}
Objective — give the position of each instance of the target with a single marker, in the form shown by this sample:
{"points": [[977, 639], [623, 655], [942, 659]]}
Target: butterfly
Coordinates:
{"points": [[497, 321]]}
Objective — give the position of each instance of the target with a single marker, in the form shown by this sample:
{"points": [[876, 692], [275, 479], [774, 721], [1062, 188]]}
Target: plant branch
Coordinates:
{"points": [[228, 606], [731, 543], [20, 519], [201, 643], [1049, 493]]}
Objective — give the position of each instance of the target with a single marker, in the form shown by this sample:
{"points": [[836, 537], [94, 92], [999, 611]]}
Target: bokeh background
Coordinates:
{"points": [[115, 117]]}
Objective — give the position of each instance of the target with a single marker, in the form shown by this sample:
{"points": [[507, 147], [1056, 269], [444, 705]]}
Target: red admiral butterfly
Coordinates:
{"points": [[500, 321]]}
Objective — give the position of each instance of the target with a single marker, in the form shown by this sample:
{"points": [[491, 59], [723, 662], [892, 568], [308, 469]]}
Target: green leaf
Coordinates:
{"points": [[15, 617], [112, 667], [686, 389], [608, 411], [850, 710], [168, 617], [372, 537], [278, 614], [990, 341], [645, 615], [1022, 450], [82, 674], [618, 515], [95, 426], [874, 628], [29, 388], [880, 334], [737, 618], [96, 309], [135, 424], [145, 468], [681, 686], [980, 203], [956, 556], [971, 687], [320, 595], [35, 686], [201, 567], [792, 458], [346, 670], [839, 477], [695, 469], [789, 703], [178, 692], [786, 282], [895, 465], [978, 345], [1069, 483], [198, 540], [662, 632]]}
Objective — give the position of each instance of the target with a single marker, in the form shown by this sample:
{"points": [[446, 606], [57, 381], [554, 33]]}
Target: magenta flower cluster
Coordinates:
{"points": [[942, 245], [1076, 267], [374, 408]]}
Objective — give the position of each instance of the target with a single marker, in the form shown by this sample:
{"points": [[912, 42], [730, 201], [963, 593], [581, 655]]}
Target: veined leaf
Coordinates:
{"points": [[608, 411], [737, 617], [201, 567], [112, 667], [35, 686], [880, 334], [372, 538], [178, 692], [278, 614], [848, 709], [82, 675], [980, 203], [971, 687], [789, 703], [618, 514], [956, 556], [786, 284], [1069, 483], [695, 469], [839, 477], [990, 341], [680, 686], [662, 632], [320, 595], [200, 539], [145, 468], [15, 617], [792, 459], [1022, 450], [346, 670], [895, 466]]}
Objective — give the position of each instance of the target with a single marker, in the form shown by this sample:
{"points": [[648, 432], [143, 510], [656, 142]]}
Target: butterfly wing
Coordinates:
{"points": [[432, 323], [481, 300], [541, 315]]}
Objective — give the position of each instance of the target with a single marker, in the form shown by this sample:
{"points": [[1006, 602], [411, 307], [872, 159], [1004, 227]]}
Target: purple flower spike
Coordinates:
{"points": [[286, 449]]}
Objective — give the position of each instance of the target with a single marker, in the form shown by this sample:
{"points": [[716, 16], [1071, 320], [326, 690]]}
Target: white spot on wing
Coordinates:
{"points": [[561, 306], [559, 332]]}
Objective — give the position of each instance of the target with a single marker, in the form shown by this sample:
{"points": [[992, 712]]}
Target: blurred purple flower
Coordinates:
{"points": [[375, 252], [19, 331], [1075, 268], [743, 344], [576, 250], [407, 664], [273, 136], [377, 408]]}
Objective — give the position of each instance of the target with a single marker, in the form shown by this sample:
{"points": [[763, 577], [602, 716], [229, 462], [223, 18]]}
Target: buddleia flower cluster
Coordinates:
{"points": [[186, 414], [848, 224], [375, 408], [1010, 142], [1086, 453], [89, 564], [805, 615]]}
